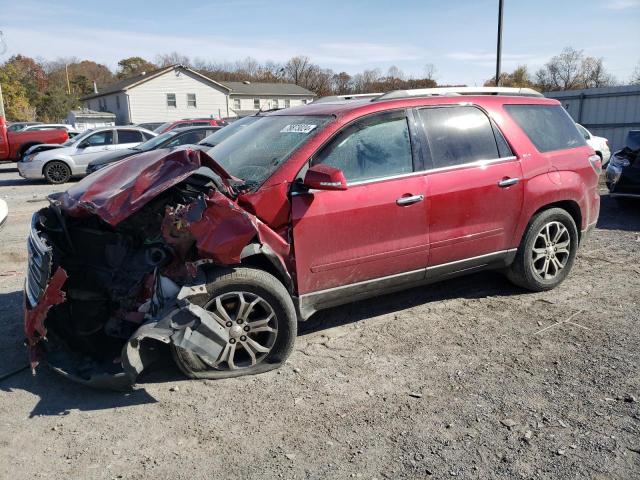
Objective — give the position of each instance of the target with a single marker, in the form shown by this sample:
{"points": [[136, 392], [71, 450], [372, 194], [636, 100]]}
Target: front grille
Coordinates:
{"points": [[39, 267]]}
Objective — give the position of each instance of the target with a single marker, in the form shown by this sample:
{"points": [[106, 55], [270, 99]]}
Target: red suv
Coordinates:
{"points": [[190, 122], [219, 253]]}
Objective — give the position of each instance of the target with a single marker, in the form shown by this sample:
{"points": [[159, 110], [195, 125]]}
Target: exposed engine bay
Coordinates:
{"points": [[103, 279]]}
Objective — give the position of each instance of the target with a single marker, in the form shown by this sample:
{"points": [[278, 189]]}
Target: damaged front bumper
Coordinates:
{"points": [[117, 264]]}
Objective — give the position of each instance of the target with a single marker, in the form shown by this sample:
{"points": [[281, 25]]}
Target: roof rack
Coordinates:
{"points": [[354, 96], [452, 91]]}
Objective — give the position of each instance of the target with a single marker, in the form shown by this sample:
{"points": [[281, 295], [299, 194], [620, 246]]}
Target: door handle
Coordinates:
{"points": [[402, 201], [507, 182]]}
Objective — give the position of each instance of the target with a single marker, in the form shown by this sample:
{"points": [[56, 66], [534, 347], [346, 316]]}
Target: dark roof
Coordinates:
{"points": [[261, 88]]}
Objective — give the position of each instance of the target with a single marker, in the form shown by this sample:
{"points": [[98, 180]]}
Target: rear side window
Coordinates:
{"points": [[549, 127], [458, 135], [374, 147], [130, 136]]}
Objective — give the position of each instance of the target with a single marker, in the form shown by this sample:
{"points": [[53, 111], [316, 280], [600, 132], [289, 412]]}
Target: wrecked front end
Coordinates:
{"points": [[116, 262]]}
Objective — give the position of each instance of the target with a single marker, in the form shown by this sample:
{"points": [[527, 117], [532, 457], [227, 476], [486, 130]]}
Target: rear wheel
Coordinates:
{"points": [[260, 319], [547, 251], [57, 172]]}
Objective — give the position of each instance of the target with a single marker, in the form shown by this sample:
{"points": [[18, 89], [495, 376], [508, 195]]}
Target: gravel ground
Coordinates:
{"points": [[471, 378]]}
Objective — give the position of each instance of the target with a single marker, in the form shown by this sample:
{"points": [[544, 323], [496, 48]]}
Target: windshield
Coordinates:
{"points": [[162, 127], [155, 141], [82, 136], [220, 135], [257, 150]]}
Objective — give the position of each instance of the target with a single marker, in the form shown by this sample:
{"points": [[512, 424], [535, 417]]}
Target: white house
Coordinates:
{"points": [[177, 92]]}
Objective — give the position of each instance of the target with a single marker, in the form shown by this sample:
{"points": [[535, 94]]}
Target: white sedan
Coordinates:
{"points": [[599, 144], [60, 163]]}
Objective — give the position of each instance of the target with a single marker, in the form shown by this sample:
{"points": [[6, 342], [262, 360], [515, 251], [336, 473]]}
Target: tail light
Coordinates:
{"points": [[596, 164]]}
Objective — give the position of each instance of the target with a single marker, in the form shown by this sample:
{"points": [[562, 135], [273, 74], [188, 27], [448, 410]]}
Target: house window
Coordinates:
{"points": [[287, 103], [236, 104], [191, 100], [275, 103], [256, 103], [118, 102], [171, 100]]}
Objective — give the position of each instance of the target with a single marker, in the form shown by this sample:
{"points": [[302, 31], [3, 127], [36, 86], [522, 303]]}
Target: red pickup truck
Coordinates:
{"points": [[14, 144]]}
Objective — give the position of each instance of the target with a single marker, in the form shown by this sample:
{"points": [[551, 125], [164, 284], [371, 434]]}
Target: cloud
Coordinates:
{"points": [[622, 4]]}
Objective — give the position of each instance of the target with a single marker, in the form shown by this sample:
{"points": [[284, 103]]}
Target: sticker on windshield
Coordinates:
{"points": [[298, 128]]}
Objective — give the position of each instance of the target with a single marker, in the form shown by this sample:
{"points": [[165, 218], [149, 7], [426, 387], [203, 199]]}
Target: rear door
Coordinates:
{"points": [[475, 185], [94, 146], [128, 138], [378, 226]]}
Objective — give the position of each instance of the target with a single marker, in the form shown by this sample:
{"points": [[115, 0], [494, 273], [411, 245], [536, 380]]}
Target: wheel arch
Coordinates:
{"points": [[259, 256], [570, 206]]}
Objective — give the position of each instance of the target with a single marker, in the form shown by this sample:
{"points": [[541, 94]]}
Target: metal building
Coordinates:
{"points": [[608, 112]]}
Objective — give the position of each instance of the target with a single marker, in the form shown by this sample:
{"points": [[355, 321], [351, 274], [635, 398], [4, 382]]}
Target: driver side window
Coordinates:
{"points": [[100, 138], [377, 146]]}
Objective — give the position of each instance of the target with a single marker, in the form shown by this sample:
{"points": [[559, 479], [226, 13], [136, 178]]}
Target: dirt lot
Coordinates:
{"points": [[471, 378]]}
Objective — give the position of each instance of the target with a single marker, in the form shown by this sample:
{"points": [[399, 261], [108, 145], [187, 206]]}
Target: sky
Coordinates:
{"points": [[457, 36]]}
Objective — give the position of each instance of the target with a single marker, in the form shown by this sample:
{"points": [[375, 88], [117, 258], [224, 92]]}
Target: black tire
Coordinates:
{"points": [[253, 282], [524, 272], [56, 172]]}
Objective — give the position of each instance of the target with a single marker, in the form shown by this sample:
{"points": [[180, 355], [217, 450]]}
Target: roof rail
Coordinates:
{"points": [[353, 96], [445, 91]]}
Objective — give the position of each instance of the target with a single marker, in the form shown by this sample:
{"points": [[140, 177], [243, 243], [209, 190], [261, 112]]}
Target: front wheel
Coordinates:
{"points": [[547, 251], [260, 319], [57, 172]]}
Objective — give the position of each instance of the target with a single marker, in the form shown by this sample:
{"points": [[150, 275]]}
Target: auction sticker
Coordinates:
{"points": [[298, 128]]}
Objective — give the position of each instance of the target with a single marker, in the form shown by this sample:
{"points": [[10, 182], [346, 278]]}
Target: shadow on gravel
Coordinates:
{"points": [[16, 182], [479, 285], [619, 215]]}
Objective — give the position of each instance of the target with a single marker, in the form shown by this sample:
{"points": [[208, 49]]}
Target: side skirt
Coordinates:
{"points": [[310, 303]]}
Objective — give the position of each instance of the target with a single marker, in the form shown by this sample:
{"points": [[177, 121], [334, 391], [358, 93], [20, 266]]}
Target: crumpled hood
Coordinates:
{"points": [[118, 191]]}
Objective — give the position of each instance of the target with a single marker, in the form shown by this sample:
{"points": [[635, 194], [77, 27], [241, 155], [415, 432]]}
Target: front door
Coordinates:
{"points": [[375, 228], [475, 185], [92, 147]]}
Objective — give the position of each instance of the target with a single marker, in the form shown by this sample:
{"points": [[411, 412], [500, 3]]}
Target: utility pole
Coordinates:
{"points": [[66, 70], [499, 52]]}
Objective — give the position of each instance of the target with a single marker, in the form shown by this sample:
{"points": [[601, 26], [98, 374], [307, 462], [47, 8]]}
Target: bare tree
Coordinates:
{"points": [[571, 70], [173, 58], [635, 76], [341, 83], [430, 72]]}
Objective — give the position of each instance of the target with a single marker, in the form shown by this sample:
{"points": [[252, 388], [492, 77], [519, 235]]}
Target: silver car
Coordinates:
{"points": [[62, 162]]}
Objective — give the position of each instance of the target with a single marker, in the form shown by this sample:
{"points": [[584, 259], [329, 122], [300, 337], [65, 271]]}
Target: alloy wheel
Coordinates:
{"points": [[551, 250], [57, 172], [252, 327]]}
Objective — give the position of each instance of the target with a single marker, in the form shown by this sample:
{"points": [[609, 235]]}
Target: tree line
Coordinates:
{"points": [[47, 90]]}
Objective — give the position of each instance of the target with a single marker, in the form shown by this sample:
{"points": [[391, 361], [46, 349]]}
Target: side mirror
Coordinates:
{"points": [[324, 177], [84, 144]]}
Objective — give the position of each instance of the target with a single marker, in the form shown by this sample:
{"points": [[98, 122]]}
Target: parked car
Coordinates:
{"points": [[172, 138], [623, 171], [71, 130], [58, 165], [218, 254], [14, 143], [224, 133], [18, 126], [190, 122], [599, 144], [150, 125]]}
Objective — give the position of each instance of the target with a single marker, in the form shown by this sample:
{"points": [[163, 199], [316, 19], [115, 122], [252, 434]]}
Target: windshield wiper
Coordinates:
{"points": [[207, 144]]}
